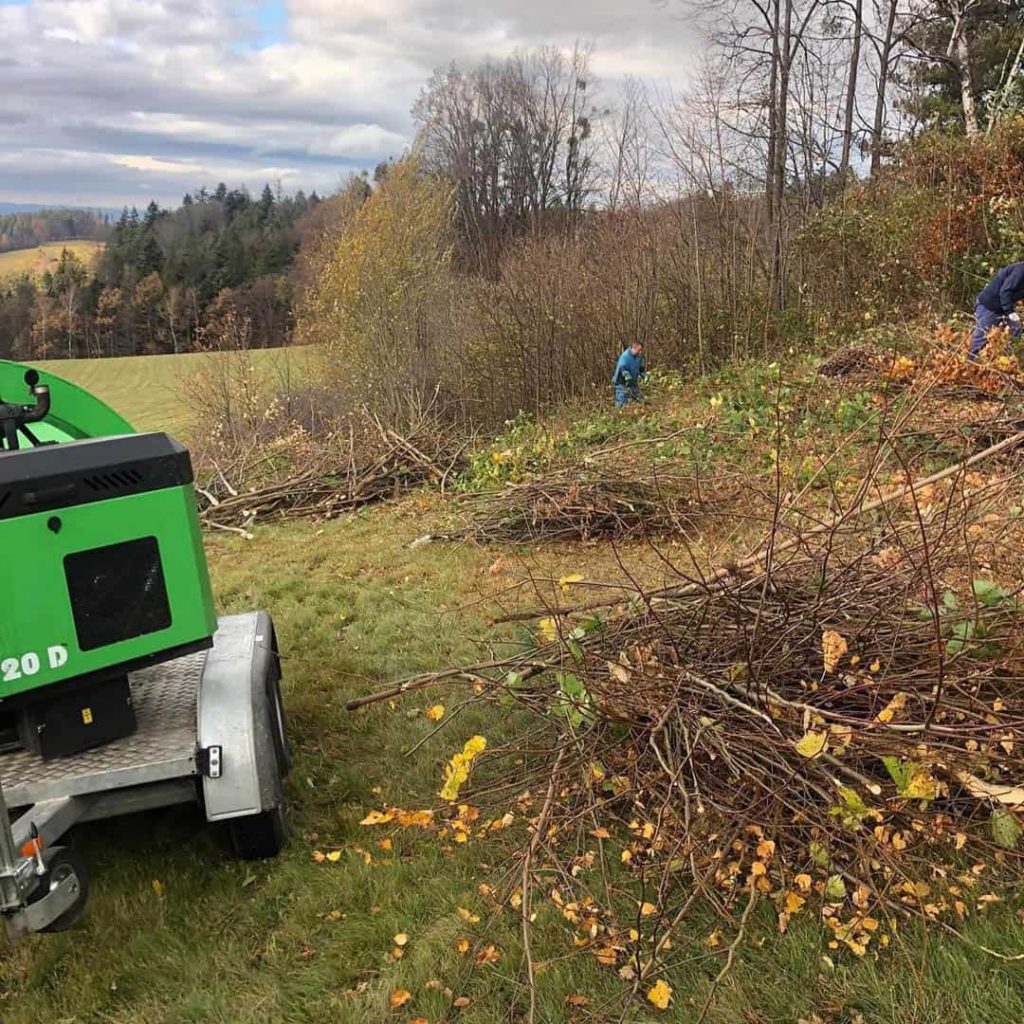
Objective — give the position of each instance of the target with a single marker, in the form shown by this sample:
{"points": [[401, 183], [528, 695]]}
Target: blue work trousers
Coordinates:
{"points": [[985, 319], [626, 393]]}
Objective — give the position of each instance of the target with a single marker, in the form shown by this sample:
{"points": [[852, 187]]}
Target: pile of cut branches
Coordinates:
{"points": [[623, 490], [583, 504], [835, 722], [301, 475]]}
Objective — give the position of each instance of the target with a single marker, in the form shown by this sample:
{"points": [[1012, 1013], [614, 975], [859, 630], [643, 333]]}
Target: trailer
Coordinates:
{"points": [[120, 690], [210, 731]]}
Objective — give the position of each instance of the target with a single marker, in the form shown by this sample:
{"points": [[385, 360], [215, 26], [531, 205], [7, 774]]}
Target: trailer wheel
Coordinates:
{"points": [[262, 836], [258, 836], [279, 724], [63, 862]]}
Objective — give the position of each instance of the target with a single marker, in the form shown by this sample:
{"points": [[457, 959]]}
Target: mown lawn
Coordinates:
{"points": [[177, 931]]}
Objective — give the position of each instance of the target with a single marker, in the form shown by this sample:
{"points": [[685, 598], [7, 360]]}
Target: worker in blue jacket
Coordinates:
{"points": [[629, 372], [996, 306]]}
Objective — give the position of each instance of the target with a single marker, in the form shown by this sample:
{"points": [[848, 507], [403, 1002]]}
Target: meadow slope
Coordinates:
{"points": [[178, 932]]}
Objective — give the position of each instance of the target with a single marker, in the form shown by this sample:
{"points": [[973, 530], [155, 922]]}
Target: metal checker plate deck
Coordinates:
{"points": [[162, 747]]}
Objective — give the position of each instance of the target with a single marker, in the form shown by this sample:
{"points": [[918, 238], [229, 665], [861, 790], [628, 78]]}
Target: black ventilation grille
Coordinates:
{"points": [[122, 480], [117, 592]]}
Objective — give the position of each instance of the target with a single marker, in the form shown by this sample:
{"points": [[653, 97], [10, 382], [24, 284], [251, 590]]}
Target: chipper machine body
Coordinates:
{"points": [[120, 690]]}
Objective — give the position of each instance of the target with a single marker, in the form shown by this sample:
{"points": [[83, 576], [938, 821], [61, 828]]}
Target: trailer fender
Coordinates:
{"points": [[236, 714]]}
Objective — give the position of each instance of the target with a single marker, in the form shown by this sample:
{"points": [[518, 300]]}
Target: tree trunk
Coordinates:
{"points": [[958, 52], [773, 115], [851, 92], [878, 125], [784, 46], [966, 68]]}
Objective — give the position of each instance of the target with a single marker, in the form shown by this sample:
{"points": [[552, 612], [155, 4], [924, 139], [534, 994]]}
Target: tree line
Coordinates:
{"points": [[217, 271], [833, 163], [27, 230]]}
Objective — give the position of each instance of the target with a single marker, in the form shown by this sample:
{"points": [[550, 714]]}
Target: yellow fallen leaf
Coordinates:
{"points": [[714, 939], [334, 856], [401, 939], [384, 844], [488, 955], [606, 956], [766, 849], [548, 629], [462, 946], [626, 856], [419, 1020], [318, 857], [377, 818], [567, 581], [399, 998], [660, 994], [397, 953], [158, 887], [893, 708], [646, 909], [456, 772], [803, 882], [601, 833], [461, 1002], [793, 902], [812, 743], [833, 647], [468, 916], [435, 713], [874, 666]]}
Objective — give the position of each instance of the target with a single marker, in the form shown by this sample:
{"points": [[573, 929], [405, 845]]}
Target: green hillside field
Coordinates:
{"points": [[151, 392]]}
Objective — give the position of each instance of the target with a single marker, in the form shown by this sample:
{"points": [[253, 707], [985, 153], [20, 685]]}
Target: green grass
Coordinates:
{"points": [[297, 941], [152, 392], [44, 257], [178, 932]]}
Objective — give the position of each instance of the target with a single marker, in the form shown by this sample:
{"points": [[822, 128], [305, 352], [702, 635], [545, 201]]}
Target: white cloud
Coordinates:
{"points": [[152, 96], [149, 163]]}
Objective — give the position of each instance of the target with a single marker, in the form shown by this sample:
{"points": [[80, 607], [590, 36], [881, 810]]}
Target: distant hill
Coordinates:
{"points": [[103, 211]]}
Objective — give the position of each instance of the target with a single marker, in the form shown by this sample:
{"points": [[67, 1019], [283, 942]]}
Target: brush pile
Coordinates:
{"points": [[645, 487], [299, 475], [836, 722], [584, 504]]}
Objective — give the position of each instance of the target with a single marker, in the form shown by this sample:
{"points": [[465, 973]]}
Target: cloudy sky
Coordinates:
{"points": [[104, 102]]}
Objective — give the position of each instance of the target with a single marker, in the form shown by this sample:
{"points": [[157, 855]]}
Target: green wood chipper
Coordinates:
{"points": [[120, 690]]}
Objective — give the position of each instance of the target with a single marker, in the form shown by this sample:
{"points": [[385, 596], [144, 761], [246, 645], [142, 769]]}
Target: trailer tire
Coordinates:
{"points": [[279, 724], [258, 836], [61, 860]]}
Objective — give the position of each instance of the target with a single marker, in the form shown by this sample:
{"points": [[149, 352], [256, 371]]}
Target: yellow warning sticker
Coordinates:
{"points": [[87, 716]]}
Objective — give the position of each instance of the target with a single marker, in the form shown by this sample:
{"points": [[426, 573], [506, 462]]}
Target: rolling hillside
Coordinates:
{"points": [[44, 257]]}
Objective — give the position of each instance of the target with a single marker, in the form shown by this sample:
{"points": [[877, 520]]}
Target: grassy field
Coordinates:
{"points": [[44, 257], [178, 932], [152, 392]]}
